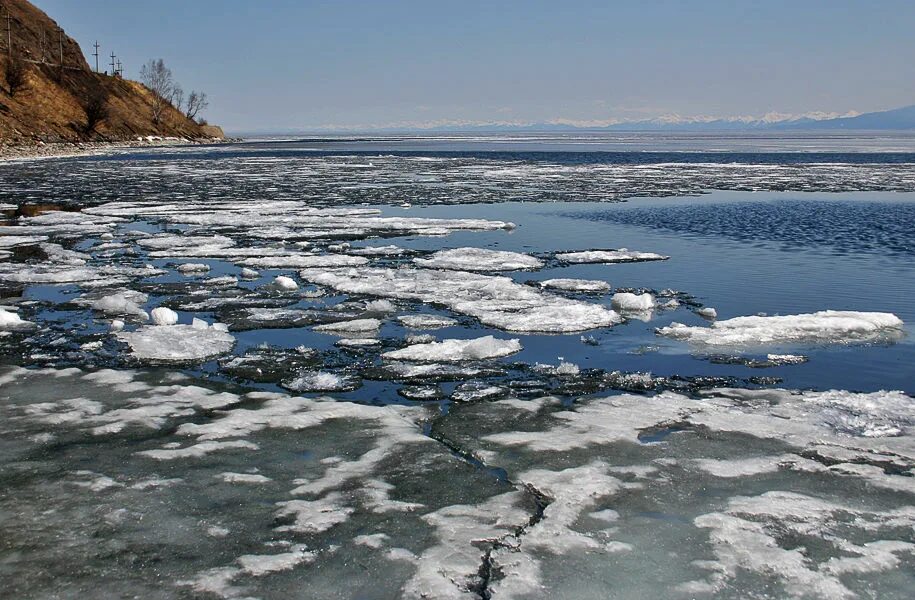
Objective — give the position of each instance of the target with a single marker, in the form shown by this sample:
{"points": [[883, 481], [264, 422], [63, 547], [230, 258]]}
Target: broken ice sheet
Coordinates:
{"points": [[496, 301], [823, 327]]}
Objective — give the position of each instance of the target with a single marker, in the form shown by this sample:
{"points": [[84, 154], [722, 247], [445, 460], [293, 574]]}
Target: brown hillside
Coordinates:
{"points": [[50, 106]]}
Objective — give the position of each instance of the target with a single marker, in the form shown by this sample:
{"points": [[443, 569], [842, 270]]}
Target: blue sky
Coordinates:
{"points": [[281, 65]]}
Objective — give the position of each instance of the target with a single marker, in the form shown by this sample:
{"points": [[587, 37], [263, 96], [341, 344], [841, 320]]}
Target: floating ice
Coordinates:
{"points": [[707, 312], [828, 326], [426, 321], [285, 283], [353, 326], [193, 268], [164, 316], [479, 259], [178, 343], [124, 303], [576, 285], [456, 350], [10, 320], [609, 256], [247, 273], [496, 301], [304, 261], [322, 381], [629, 302]]}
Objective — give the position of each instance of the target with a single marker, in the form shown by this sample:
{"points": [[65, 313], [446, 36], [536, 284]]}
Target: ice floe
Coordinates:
{"points": [[10, 320], [576, 285], [481, 348], [494, 300], [608, 256], [824, 327], [479, 259], [178, 343], [163, 315], [629, 302]]}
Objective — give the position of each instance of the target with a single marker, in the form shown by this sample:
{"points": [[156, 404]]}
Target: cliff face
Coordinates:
{"points": [[51, 104]]}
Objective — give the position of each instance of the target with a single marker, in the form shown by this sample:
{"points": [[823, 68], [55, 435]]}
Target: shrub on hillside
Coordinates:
{"points": [[96, 107], [16, 74]]}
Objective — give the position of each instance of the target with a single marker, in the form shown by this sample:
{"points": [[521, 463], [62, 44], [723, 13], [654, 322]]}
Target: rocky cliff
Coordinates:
{"points": [[57, 91]]}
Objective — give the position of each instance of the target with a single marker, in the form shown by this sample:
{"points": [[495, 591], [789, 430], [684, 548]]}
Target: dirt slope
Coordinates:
{"points": [[51, 105]]}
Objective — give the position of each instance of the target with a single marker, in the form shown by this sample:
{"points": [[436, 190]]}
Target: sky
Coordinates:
{"points": [[294, 65]]}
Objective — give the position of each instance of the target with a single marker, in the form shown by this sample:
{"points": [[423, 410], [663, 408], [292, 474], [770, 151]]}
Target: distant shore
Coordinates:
{"points": [[40, 150]]}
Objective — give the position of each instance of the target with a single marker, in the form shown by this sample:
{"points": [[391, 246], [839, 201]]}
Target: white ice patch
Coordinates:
{"points": [[426, 321], [479, 259], [482, 348], [178, 343], [321, 381], [609, 256], [163, 315], [828, 326], [304, 261], [125, 303], [285, 283], [11, 321], [495, 301], [190, 268], [576, 285], [629, 302], [353, 326]]}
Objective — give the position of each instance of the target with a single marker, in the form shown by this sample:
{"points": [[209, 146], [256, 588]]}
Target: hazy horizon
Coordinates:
{"points": [[293, 67]]}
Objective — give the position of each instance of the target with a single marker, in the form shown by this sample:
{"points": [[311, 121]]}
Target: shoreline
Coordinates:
{"points": [[14, 153]]}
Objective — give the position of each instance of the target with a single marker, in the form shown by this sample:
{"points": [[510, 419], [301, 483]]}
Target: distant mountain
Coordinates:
{"points": [[896, 119]]}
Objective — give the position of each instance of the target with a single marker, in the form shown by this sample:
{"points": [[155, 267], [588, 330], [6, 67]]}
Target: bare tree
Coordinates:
{"points": [[177, 97], [158, 78], [196, 102], [15, 74], [96, 107]]}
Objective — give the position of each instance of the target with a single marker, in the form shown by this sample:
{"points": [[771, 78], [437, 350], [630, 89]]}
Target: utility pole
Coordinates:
{"points": [[120, 68], [112, 64], [95, 54]]}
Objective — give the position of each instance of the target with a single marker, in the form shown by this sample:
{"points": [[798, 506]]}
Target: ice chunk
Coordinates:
{"points": [[322, 381], [479, 259], [164, 316], [193, 268], [285, 283], [426, 321], [608, 256], [473, 391], [576, 285], [456, 350], [380, 306], [10, 320], [496, 301], [247, 273], [629, 302], [828, 326], [707, 313], [353, 326], [304, 261], [178, 343], [378, 251], [121, 304]]}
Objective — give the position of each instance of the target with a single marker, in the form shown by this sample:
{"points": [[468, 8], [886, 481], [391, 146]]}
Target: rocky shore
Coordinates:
{"points": [[39, 150]]}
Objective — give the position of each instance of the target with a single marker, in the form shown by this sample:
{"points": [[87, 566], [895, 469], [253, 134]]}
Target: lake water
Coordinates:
{"points": [[599, 456]]}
